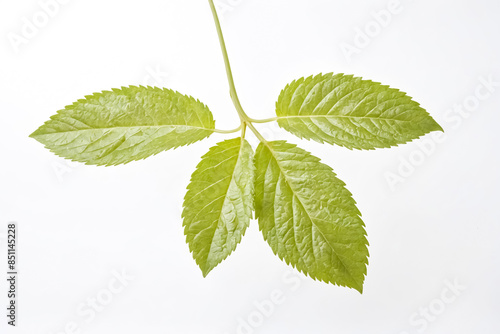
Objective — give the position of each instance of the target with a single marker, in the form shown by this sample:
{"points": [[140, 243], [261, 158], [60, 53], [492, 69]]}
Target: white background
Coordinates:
{"points": [[78, 225]]}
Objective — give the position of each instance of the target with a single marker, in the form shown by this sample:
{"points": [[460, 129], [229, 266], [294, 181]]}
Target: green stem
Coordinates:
{"points": [[227, 131], [234, 95], [267, 120], [243, 129], [256, 133], [245, 120]]}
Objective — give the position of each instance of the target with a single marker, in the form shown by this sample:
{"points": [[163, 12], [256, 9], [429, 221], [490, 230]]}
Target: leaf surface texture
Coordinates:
{"points": [[123, 125], [351, 112], [219, 202], [307, 215]]}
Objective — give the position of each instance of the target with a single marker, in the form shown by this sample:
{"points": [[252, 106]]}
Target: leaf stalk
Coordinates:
{"points": [[245, 120], [228, 131]]}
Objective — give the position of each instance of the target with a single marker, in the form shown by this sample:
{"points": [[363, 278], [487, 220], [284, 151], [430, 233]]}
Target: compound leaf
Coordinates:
{"points": [[219, 202], [123, 125], [308, 217], [351, 112]]}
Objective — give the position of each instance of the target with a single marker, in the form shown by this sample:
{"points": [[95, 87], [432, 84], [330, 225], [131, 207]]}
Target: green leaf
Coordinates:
{"points": [[347, 111], [123, 125], [308, 217], [219, 202]]}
